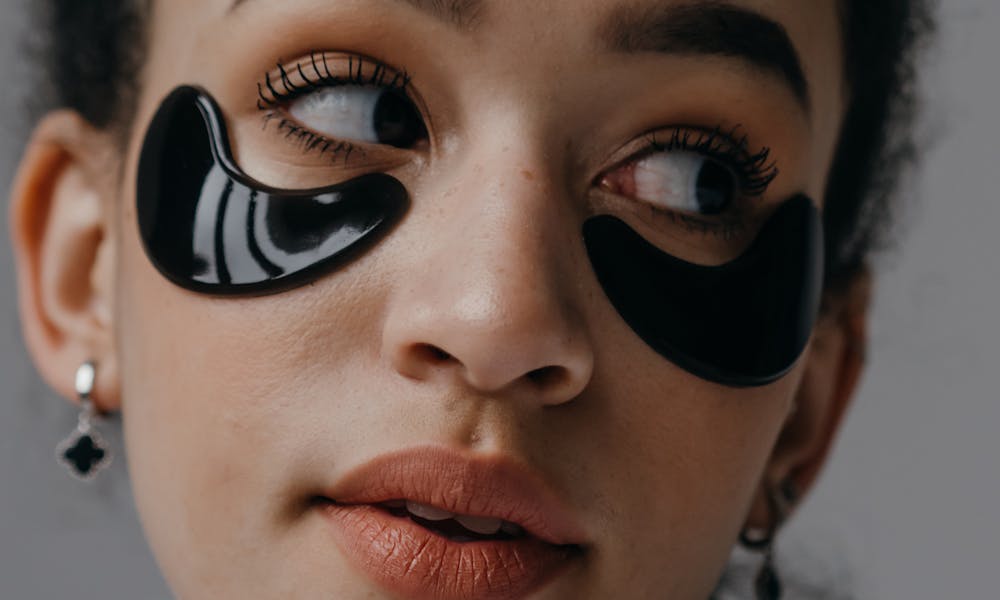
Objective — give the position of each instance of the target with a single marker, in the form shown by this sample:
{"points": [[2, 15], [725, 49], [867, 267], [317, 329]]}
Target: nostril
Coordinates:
{"points": [[548, 377], [431, 353]]}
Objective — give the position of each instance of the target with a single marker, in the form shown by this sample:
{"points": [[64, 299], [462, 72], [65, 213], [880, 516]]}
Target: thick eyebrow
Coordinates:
{"points": [[709, 28], [463, 14]]}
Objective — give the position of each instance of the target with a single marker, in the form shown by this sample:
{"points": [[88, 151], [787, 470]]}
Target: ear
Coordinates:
{"points": [[61, 219], [833, 369]]}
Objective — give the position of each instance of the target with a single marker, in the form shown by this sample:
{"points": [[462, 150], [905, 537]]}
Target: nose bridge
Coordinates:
{"points": [[493, 302], [506, 229], [515, 210]]}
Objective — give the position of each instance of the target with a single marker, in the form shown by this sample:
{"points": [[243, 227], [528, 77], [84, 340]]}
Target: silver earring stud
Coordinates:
{"points": [[84, 452]]}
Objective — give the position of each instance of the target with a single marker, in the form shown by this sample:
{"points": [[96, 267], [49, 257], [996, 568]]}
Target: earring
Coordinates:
{"points": [[84, 452], [780, 500]]}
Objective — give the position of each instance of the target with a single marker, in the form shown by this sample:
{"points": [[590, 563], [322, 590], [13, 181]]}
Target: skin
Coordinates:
{"points": [[236, 411]]}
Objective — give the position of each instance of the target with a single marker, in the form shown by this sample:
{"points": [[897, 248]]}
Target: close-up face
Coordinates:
{"points": [[478, 299]]}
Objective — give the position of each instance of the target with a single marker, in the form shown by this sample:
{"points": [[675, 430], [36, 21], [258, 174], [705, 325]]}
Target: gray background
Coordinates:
{"points": [[908, 508]]}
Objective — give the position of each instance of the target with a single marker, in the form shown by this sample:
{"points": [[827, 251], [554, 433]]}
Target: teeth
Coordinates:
{"points": [[480, 525], [431, 513], [512, 528]]}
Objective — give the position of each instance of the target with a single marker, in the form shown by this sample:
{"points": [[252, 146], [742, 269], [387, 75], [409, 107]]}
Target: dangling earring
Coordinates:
{"points": [[84, 452], [780, 500]]}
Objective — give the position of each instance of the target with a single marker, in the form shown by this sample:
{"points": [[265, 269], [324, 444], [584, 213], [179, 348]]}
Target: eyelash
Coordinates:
{"points": [[275, 92], [728, 148]]}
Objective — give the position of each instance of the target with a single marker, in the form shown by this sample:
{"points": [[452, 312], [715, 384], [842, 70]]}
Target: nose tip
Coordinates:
{"points": [[521, 348]]}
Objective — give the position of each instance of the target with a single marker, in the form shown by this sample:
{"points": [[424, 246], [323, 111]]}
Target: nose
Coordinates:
{"points": [[491, 301]]}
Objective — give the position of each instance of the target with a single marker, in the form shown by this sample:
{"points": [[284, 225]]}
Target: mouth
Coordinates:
{"points": [[431, 524], [454, 527]]}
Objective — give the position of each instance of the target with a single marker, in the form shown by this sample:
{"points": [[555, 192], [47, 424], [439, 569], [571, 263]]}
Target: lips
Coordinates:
{"points": [[435, 524]]}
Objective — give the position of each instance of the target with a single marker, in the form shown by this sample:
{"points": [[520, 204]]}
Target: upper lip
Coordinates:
{"points": [[485, 486]]}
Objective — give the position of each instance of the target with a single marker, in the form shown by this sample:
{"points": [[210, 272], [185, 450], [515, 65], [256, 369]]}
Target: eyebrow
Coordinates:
{"points": [[703, 28], [463, 14], [709, 28]]}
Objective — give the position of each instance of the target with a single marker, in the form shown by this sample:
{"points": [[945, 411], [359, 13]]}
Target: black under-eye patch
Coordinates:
{"points": [[744, 323], [210, 228]]}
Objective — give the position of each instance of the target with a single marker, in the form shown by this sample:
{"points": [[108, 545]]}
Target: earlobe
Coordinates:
{"points": [[62, 231], [833, 370]]}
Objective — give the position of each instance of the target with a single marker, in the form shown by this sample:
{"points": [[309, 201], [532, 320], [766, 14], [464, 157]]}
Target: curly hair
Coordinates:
{"points": [[96, 49], [881, 43]]}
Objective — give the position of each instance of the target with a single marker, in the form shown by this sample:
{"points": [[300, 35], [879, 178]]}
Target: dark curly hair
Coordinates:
{"points": [[96, 49]]}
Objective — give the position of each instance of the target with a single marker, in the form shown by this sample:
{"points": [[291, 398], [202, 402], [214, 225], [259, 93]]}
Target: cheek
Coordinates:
{"points": [[678, 465], [212, 387]]}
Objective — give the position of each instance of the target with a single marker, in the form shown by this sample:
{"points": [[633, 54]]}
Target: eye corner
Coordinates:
{"points": [[757, 179]]}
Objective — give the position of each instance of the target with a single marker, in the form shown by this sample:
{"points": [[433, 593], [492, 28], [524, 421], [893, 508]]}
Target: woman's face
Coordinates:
{"points": [[471, 352]]}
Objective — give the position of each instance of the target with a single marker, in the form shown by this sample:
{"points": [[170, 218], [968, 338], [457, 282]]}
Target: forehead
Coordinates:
{"points": [[813, 28]]}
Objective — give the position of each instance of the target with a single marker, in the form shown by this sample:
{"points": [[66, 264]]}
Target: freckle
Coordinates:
{"points": [[528, 175]]}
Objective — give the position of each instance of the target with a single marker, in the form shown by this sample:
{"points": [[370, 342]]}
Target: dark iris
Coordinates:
{"points": [[397, 121], [716, 188]]}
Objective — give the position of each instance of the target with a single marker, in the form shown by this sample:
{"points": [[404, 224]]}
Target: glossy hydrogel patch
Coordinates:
{"points": [[210, 228], [743, 323]]}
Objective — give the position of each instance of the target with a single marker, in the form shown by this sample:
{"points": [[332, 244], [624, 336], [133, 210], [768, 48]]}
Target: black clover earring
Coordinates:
{"points": [[780, 499], [84, 452]]}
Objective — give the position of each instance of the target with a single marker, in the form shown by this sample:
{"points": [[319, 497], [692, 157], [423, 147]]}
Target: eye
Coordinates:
{"points": [[362, 113], [684, 181], [694, 173]]}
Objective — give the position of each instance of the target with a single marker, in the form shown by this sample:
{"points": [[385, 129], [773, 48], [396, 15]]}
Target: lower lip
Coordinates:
{"points": [[407, 560]]}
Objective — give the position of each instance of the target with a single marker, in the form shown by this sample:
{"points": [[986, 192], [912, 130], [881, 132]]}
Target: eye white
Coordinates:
{"points": [[670, 180], [343, 112]]}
